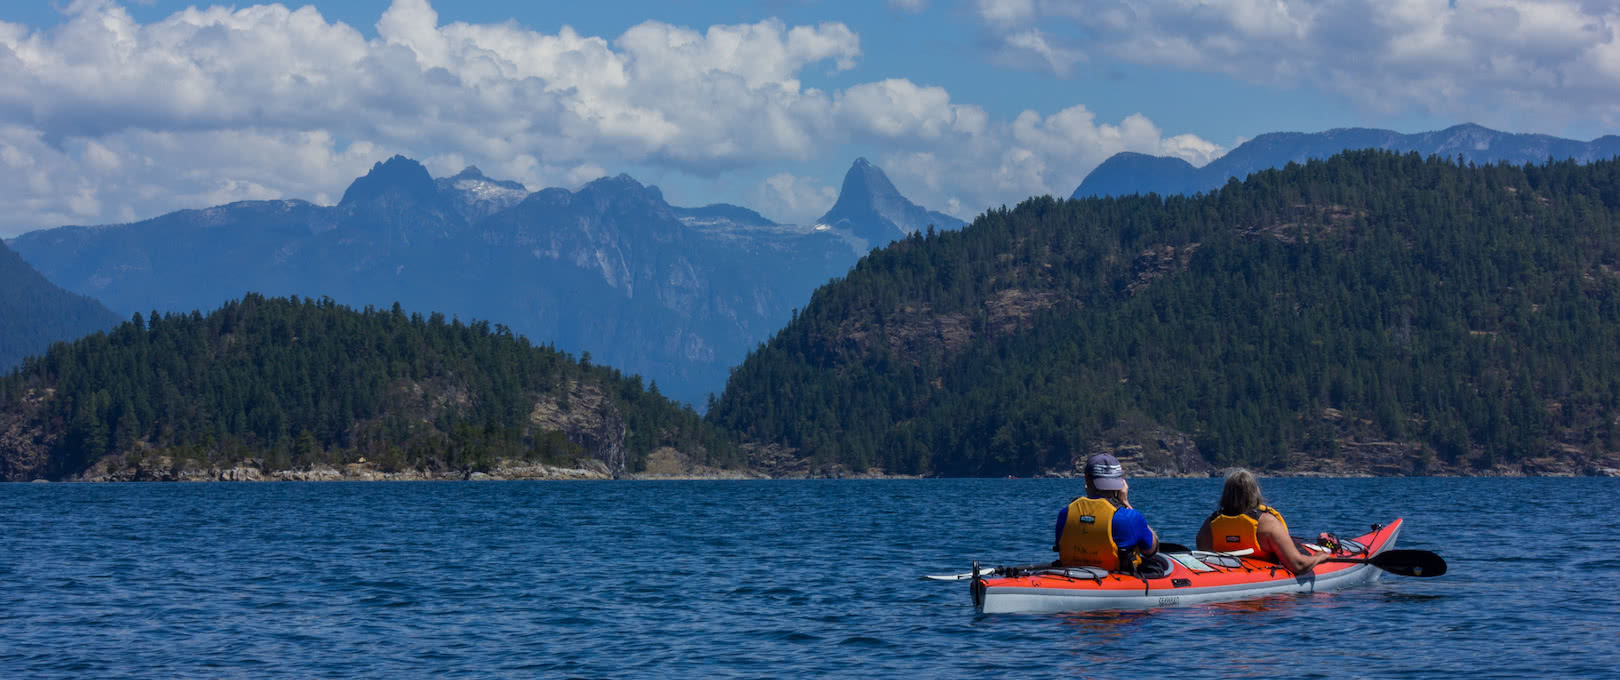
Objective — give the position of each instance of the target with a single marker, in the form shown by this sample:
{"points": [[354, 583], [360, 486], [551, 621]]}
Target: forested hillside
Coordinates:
{"points": [[1458, 318], [35, 312], [282, 383]]}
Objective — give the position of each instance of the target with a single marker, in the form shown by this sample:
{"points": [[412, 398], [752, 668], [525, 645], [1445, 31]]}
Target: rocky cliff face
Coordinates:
{"points": [[1148, 449], [25, 450]]}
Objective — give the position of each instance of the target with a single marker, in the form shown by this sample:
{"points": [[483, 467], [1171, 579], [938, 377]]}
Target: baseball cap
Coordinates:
{"points": [[1104, 472]]}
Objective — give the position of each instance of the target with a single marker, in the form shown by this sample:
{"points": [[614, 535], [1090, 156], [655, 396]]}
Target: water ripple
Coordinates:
{"points": [[750, 579]]}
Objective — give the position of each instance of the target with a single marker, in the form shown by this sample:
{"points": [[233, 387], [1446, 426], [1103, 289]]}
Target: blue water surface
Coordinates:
{"points": [[749, 579]]}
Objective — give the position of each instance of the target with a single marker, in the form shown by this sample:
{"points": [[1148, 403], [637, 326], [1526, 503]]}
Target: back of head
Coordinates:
{"points": [[1104, 475], [1241, 493]]}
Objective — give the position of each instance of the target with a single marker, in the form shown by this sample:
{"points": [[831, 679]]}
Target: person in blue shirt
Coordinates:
{"points": [[1101, 529]]}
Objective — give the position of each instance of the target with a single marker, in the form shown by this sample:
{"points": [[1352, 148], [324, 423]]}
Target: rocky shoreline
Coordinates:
{"points": [[595, 470], [1147, 454]]}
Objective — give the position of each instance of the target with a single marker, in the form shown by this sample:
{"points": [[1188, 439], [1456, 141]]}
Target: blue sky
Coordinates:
{"points": [[112, 112]]}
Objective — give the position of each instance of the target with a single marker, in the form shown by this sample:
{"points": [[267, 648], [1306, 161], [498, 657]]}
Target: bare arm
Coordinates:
{"points": [[1276, 538]]}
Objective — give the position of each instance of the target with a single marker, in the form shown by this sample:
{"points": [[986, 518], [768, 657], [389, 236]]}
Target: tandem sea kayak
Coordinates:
{"points": [[1192, 577]]}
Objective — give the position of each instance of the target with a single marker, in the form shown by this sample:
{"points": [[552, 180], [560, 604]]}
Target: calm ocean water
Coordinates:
{"points": [[752, 579]]}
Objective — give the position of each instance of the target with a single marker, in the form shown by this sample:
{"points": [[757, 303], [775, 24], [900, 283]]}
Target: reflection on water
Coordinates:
{"points": [[1108, 624]]}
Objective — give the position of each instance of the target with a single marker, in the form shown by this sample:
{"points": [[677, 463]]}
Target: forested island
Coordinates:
{"points": [[1374, 313], [316, 390]]}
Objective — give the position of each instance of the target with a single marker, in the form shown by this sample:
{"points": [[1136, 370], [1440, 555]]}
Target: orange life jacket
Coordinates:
{"points": [[1231, 533], [1088, 537]]}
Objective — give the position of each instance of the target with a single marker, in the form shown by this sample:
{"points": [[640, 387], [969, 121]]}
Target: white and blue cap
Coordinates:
{"points": [[1104, 472]]}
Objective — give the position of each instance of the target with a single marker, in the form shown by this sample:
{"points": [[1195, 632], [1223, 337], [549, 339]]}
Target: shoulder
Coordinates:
{"points": [[1129, 515], [1268, 522]]}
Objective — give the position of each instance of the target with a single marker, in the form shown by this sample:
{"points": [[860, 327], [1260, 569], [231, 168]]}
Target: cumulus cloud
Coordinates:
{"points": [[1003, 162], [786, 197], [543, 105], [1494, 61], [104, 118]]}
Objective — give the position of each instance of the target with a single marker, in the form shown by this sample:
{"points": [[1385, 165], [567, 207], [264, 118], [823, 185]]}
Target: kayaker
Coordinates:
{"points": [[1244, 521], [1101, 529]]}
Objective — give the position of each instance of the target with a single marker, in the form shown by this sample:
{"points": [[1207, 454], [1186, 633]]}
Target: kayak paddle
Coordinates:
{"points": [[1419, 563], [986, 572]]}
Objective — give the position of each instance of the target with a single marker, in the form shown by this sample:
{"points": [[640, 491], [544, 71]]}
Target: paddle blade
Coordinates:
{"points": [[1419, 563]]}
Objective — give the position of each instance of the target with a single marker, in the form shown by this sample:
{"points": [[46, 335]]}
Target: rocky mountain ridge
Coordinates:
{"points": [[1128, 173], [871, 209]]}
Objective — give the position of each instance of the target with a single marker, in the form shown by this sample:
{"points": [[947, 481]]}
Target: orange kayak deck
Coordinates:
{"points": [[1193, 578]]}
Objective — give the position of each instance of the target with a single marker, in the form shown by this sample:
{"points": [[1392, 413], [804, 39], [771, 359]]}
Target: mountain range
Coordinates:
{"points": [[678, 295], [1128, 173]]}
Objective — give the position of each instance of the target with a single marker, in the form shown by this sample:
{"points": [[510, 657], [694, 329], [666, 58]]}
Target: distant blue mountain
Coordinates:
{"points": [[871, 209], [678, 295], [35, 312], [1124, 174], [723, 213]]}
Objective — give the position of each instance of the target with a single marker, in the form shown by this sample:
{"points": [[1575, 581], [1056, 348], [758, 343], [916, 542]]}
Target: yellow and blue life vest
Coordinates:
{"points": [[1088, 537]]}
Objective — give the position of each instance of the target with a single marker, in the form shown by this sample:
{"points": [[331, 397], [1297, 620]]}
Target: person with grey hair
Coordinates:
{"points": [[1101, 529], [1245, 522]]}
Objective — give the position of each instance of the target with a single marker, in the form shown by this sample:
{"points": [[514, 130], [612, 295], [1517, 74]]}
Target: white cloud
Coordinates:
{"points": [[796, 200], [102, 90], [1005, 162], [104, 118], [1032, 42], [895, 109], [909, 5], [1497, 62], [1007, 12]]}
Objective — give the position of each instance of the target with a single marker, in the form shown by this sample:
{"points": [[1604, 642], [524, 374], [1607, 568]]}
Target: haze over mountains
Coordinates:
{"points": [[35, 312], [678, 295], [1129, 173]]}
